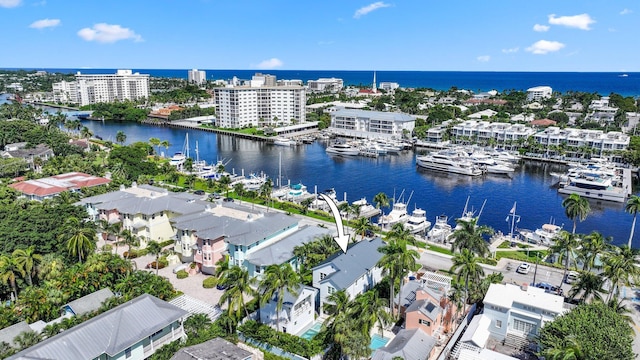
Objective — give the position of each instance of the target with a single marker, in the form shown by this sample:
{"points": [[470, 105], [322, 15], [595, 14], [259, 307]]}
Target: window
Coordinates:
{"points": [[499, 324], [424, 322], [331, 290], [127, 353], [322, 276]]}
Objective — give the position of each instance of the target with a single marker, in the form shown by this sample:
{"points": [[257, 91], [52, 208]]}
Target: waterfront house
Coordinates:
{"points": [[297, 313], [355, 271], [408, 344], [47, 188], [214, 349], [367, 124], [133, 330]]}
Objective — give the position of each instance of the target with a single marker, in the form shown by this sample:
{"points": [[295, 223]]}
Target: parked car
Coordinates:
{"points": [[548, 288], [199, 192], [572, 276], [180, 267], [220, 287], [523, 268], [228, 199]]}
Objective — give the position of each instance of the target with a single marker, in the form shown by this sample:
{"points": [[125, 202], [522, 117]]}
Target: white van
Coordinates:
{"points": [[572, 276]]}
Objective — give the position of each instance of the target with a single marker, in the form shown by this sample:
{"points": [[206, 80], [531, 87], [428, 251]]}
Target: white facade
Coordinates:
{"points": [[65, 92], [388, 86], [539, 92], [521, 311], [325, 84], [245, 106], [297, 313], [575, 138], [197, 77], [121, 86], [365, 123], [485, 130]]}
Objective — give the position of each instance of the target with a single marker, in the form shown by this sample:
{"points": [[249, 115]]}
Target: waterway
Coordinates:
{"points": [[356, 177]]}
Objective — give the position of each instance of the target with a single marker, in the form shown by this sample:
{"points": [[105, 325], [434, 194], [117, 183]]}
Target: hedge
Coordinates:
{"points": [[209, 282], [182, 274]]}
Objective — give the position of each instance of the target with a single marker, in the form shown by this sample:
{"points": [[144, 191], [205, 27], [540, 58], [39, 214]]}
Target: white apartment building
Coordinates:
{"points": [[325, 84], [65, 92], [483, 131], [601, 111], [197, 77], [575, 138], [538, 93], [364, 123], [259, 104], [121, 86], [388, 86]]}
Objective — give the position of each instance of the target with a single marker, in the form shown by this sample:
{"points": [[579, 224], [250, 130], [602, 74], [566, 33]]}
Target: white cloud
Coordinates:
{"points": [[540, 28], [542, 47], [107, 33], [581, 21], [9, 3], [511, 50], [626, 12], [483, 58], [45, 23], [270, 64], [369, 8]]}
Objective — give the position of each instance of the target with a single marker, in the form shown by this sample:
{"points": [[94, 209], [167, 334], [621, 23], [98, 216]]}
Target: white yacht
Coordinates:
{"points": [[343, 149], [546, 235], [178, 159], [283, 141], [450, 161], [365, 209], [398, 214], [440, 230], [418, 222], [595, 187]]}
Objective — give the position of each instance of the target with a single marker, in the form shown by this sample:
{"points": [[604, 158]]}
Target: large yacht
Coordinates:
{"points": [[449, 161], [418, 222], [342, 149], [398, 214], [546, 235], [595, 187], [440, 230]]}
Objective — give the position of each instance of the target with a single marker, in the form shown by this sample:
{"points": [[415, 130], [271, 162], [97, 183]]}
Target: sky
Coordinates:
{"points": [[426, 35]]}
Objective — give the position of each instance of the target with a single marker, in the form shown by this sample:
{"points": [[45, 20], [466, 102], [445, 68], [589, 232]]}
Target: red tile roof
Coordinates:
{"points": [[56, 184], [543, 122]]}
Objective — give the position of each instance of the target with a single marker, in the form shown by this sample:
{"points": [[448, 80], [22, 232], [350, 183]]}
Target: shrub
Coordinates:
{"points": [[182, 274], [130, 254], [488, 261], [152, 265], [209, 282], [107, 247], [163, 261]]}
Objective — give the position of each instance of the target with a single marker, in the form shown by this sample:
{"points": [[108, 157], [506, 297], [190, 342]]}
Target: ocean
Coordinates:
{"points": [[603, 83]]}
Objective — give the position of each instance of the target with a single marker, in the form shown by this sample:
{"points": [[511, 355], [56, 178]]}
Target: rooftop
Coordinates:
{"points": [[504, 295]]}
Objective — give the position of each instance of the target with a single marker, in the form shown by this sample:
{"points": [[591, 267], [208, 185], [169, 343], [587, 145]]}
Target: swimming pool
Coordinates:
{"points": [[312, 331], [377, 341]]}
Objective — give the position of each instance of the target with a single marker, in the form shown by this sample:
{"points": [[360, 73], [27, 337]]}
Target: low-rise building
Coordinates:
{"points": [[365, 124], [408, 344], [325, 84], [214, 349], [298, 310], [20, 151], [576, 138], [47, 188]]}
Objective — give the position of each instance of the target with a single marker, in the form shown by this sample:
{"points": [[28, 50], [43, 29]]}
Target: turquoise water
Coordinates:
{"points": [[378, 341], [313, 331]]}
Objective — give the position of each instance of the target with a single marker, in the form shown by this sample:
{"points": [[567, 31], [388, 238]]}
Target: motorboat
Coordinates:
{"points": [[440, 230], [283, 141], [343, 149], [365, 209], [418, 222], [451, 161], [545, 235], [398, 214], [595, 187], [178, 159]]}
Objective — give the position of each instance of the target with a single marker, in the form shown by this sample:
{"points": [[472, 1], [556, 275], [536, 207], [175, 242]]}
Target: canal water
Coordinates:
{"points": [[356, 177]]}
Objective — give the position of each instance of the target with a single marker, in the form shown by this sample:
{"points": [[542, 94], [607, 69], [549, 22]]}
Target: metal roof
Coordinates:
{"points": [[108, 333], [357, 261], [282, 251], [89, 303], [378, 115], [252, 230], [409, 344], [214, 349], [9, 333]]}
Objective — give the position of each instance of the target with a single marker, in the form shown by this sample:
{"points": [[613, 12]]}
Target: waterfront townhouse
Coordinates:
{"points": [[297, 313], [133, 330], [144, 210], [365, 124], [487, 132], [512, 315], [355, 271], [260, 103], [538, 93], [598, 140]]}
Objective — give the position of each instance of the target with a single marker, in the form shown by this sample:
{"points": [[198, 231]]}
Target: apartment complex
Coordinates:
{"points": [[197, 77], [576, 138], [325, 84], [262, 101], [484, 131], [363, 123], [97, 88], [538, 93]]}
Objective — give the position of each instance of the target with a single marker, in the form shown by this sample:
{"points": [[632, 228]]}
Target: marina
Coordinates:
{"points": [[438, 193]]}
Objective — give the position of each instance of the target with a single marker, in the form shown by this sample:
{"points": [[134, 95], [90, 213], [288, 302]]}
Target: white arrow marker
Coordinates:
{"points": [[341, 239]]}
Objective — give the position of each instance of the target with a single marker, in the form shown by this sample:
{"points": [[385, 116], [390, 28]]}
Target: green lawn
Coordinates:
{"points": [[440, 249]]}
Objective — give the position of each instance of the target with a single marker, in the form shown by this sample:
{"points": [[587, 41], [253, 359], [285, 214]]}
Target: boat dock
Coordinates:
{"points": [[627, 181]]}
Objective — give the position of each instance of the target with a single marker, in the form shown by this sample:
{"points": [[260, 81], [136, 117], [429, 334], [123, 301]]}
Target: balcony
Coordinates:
{"points": [[156, 344]]}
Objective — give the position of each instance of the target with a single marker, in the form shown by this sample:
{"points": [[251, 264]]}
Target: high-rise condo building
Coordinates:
{"points": [[121, 86], [197, 77]]}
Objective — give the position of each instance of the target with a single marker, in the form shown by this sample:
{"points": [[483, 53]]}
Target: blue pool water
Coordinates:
{"points": [[313, 331], [377, 341]]}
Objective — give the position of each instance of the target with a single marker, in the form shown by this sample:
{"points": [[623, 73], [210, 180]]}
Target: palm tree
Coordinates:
{"points": [[165, 144], [568, 349], [576, 208], [466, 266], [27, 260], [155, 142], [129, 239], [361, 225], [121, 137], [238, 284], [397, 260], [621, 309], [279, 279], [80, 239], [370, 310], [593, 245], [51, 267], [27, 339], [471, 236], [632, 207], [154, 248], [620, 269], [381, 200], [589, 284], [566, 243], [9, 271], [224, 182]]}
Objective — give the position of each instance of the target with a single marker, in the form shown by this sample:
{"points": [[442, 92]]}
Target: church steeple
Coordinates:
{"points": [[374, 86]]}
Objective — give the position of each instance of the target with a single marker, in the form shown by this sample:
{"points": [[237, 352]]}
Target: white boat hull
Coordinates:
{"points": [[615, 194], [450, 168]]}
